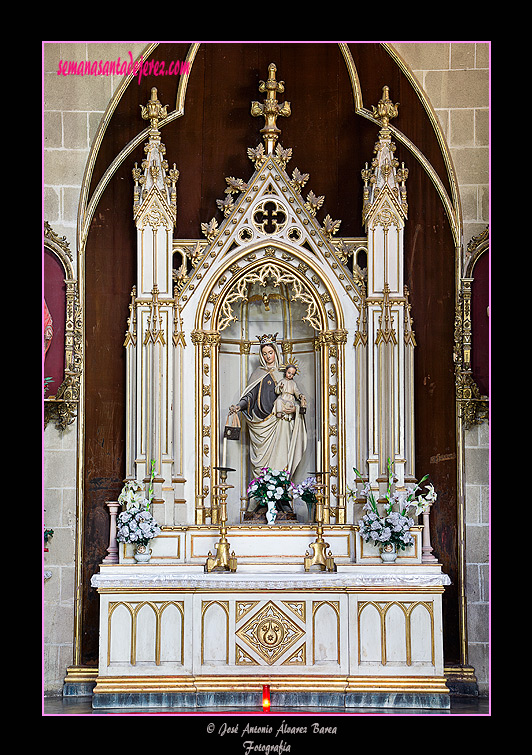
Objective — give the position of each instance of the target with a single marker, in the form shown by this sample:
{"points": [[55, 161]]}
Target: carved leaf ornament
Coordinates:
{"points": [[269, 274]]}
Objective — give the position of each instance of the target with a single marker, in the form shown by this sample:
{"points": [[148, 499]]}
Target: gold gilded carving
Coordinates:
{"points": [[243, 659], [210, 230], [297, 606], [473, 407], [154, 193], [299, 180], [409, 335], [298, 657], [131, 334], [361, 336], [243, 607], [154, 111], [313, 203], [257, 156], [62, 408], [154, 331], [270, 109], [270, 632], [178, 337], [386, 332], [385, 109], [269, 274], [134, 609], [331, 226], [235, 185]]}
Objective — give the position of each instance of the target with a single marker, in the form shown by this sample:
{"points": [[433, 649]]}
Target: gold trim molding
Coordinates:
{"points": [[278, 683]]}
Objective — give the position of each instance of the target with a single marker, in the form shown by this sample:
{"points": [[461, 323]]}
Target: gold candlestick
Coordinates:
{"points": [[321, 560], [222, 561]]}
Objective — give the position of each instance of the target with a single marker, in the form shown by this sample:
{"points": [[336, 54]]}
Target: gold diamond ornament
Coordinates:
{"points": [[270, 632]]}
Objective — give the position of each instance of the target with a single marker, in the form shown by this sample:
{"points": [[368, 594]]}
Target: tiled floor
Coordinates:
{"points": [[81, 706]]}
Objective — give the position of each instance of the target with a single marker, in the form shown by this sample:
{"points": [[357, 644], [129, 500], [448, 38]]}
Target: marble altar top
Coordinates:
{"points": [[189, 577]]}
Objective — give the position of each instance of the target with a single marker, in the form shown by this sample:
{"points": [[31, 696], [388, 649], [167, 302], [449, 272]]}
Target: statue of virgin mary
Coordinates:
{"points": [[277, 439]]}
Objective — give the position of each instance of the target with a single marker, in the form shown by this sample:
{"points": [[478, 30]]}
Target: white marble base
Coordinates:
{"points": [[362, 630]]}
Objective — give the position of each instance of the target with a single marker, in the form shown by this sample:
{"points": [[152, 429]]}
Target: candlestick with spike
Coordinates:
{"points": [[321, 560], [222, 561]]}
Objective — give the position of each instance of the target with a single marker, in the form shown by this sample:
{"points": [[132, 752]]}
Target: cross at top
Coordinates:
{"points": [[270, 108]]}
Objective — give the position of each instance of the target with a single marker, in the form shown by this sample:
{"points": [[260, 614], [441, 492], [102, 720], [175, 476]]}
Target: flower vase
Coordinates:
{"points": [[142, 553], [271, 513], [388, 553]]}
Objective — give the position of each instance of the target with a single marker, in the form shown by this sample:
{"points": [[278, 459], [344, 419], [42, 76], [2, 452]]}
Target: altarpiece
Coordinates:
{"points": [[228, 598]]}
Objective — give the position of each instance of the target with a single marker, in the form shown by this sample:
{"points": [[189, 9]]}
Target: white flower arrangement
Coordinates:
{"points": [[136, 524], [133, 495], [306, 490], [271, 487], [394, 526]]}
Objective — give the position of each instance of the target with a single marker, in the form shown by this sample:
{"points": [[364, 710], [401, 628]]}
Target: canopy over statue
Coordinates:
{"points": [[274, 409]]}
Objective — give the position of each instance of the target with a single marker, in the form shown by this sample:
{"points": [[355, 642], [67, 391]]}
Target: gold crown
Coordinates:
{"points": [[267, 338]]}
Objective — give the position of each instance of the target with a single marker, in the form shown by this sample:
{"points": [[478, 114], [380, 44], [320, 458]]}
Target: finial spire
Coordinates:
{"points": [[385, 109], [154, 111], [270, 108], [154, 169]]}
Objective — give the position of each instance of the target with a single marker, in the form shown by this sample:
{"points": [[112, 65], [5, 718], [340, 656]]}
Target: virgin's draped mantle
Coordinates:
{"points": [[274, 442]]}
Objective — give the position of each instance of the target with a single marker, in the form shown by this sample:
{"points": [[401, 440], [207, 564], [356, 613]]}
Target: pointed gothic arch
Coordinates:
{"points": [[272, 263], [291, 261]]}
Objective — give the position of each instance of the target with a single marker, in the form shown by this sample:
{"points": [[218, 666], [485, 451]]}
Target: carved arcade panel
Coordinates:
{"points": [[63, 332]]}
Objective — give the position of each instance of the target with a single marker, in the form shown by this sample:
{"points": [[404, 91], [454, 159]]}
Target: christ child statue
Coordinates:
{"points": [[285, 405]]}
